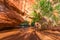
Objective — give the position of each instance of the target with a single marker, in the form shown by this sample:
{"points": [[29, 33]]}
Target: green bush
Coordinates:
{"points": [[46, 9]]}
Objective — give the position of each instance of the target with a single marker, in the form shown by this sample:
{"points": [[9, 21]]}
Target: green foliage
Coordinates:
{"points": [[25, 23], [46, 9], [36, 17], [33, 23], [57, 7]]}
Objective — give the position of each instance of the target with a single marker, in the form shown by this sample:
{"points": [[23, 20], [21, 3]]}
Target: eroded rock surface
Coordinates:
{"points": [[9, 17]]}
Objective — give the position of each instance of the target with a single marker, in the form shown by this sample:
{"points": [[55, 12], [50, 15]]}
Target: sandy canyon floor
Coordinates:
{"points": [[29, 34]]}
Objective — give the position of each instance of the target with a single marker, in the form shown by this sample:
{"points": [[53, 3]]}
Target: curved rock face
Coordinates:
{"points": [[23, 5], [13, 5], [11, 12], [9, 17]]}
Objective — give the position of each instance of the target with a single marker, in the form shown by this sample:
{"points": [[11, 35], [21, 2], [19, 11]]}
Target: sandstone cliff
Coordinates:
{"points": [[8, 16]]}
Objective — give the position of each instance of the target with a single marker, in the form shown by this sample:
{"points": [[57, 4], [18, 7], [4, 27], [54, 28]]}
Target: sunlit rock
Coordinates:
{"points": [[8, 17]]}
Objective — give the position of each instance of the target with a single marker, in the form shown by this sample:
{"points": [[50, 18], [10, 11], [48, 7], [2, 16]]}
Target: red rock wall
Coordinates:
{"points": [[23, 5], [10, 9]]}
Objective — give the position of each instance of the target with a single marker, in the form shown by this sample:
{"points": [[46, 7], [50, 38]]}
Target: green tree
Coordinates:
{"points": [[44, 8]]}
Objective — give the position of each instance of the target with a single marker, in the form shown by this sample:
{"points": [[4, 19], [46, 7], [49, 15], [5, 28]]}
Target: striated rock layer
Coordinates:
{"points": [[9, 17], [23, 5], [13, 12]]}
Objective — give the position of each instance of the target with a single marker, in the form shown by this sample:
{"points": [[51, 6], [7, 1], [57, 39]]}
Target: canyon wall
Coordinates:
{"points": [[12, 12]]}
